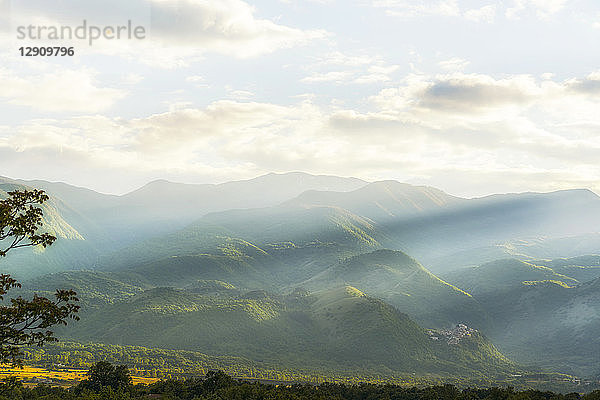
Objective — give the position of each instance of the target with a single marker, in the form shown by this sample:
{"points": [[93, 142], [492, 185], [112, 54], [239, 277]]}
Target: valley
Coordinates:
{"points": [[329, 276]]}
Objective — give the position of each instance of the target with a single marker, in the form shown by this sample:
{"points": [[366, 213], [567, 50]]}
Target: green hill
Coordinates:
{"points": [[53, 221], [582, 268], [93, 288], [72, 249], [298, 225], [179, 271], [537, 316], [281, 244], [502, 275], [401, 281], [194, 267], [545, 324], [338, 328]]}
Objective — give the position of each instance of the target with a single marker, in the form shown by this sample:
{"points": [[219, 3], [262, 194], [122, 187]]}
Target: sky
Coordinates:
{"points": [[472, 97]]}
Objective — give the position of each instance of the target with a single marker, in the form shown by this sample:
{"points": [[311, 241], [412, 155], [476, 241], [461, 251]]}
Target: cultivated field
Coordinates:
{"points": [[31, 376]]}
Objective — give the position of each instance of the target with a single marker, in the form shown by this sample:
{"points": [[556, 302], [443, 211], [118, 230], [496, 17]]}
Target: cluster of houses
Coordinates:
{"points": [[452, 336]]}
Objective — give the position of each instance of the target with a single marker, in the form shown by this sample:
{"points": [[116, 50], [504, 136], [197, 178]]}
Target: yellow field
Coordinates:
{"points": [[61, 377]]}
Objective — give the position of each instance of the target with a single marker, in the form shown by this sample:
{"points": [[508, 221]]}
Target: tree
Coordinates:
{"points": [[103, 374], [27, 322]]}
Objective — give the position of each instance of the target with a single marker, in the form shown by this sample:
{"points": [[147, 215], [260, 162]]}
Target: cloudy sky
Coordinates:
{"points": [[470, 96]]}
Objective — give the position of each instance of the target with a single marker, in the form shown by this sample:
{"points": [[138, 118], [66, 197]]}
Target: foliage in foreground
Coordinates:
{"points": [[109, 382], [27, 322]]}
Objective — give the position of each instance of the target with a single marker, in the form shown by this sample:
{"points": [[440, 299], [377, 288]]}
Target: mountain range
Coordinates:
{"points": [[300, 271]]}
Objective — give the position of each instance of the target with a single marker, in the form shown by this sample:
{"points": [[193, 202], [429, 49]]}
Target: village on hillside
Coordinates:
{"points": [[452, 336]]}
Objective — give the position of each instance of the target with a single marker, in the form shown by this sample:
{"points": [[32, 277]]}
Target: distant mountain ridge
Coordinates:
{"points": [[194, 200], [381, 200], [109, 222], [422, 221], [290, 262]]}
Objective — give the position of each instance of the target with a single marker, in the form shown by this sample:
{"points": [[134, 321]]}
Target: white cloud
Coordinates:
{"points": [[331, 76], [475, 128], [412, 8], [195, 79], [228, 27], [472, 127], [457, 94], [483, 14], [376, 74], [179, 105], [543, 8], [339, 58], [350, 69], [239, 94], [468, 92], [132, 79], [178, 32], [67, 90], [453, 64]]}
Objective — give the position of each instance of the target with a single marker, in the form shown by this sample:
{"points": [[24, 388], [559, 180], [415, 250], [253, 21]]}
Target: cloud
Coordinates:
{"points": [[476, 126], [350, 69], [348, 60], [453, 64], [195, 79], [483, 14], [542, 8], [461, 92], [376, 74], [177, 32], [471, 127], [411, 8], [587, 85], [187, 142], [239, 94], [228, 27], [331, 76], [437, 8], [131, 79], [198, 81], [64, 91], [221, 120]]}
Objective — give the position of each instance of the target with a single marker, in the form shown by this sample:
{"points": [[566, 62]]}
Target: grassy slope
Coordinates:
{"points": [[338, 328], [538, 316], [583, 268], [69, 251], [502, 275], [548, 325], [94, 288], [401, 281], [277, 245]]}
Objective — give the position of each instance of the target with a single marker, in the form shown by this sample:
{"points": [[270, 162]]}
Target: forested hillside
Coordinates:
{"points": [[328, 276]]}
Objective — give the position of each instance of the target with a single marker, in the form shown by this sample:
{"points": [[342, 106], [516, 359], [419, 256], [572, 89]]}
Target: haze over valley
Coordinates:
{"points": [[329, 275]]}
